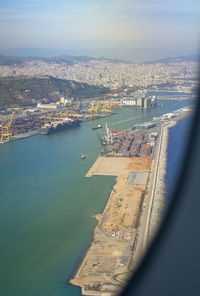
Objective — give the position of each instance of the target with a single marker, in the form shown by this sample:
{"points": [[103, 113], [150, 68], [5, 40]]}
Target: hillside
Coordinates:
{"points": [[69, 60], [63, 59], [25, 91], [189, 58]]}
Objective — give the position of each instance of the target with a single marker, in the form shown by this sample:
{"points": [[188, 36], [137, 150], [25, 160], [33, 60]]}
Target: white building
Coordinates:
{"points": [[129, 102], [65, 102], [51, 106]]}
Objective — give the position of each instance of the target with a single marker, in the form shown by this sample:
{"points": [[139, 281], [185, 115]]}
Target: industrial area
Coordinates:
{"points": [[138, 142], [46, 119], [124, 228], [21, 122]]}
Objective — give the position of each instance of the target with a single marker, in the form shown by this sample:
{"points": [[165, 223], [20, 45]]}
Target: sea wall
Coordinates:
{"points": [[158, 205]]}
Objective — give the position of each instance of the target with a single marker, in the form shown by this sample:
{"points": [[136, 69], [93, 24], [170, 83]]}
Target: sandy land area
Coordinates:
{"points": [[129, 219], [116, 166], [109, 257]]}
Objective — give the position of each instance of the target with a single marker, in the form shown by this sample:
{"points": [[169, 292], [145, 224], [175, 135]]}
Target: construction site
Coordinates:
{"points": [[134, 209], [110, 258], [25, 122]]}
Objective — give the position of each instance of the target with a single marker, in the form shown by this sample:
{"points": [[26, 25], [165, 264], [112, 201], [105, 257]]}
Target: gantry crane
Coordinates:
{"points": [[95, 106], [91, 109], [70, 114], [60, 116], [107, 108], [6, 132], [77, 105], [94, 109]]}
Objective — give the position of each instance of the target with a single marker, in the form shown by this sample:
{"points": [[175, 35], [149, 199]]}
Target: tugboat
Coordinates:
{"points": [[83, 156], [98, 126]]}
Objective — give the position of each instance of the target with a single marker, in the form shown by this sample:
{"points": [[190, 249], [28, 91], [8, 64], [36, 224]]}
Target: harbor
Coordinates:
{"points": [[44, 172], [96, 103], [132, 215], [47, 122], [46, 118]]}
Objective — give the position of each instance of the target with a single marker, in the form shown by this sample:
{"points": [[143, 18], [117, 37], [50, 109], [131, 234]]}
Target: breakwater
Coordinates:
{"points": [[159, 204], [130, 219]]}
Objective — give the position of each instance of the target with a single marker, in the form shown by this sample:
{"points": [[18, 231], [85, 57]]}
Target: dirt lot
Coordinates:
{"points": [[116, 166], [111, 251]]}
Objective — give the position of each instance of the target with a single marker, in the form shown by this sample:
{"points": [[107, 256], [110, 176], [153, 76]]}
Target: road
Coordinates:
{"points": [[142, 243]]}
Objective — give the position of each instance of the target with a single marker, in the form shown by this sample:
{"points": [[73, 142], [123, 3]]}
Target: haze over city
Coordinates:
{"points": [[117, 28]]}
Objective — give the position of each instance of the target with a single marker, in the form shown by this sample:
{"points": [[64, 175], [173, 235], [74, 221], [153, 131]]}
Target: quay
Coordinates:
{"points": [[130, 219], [21, 129]]}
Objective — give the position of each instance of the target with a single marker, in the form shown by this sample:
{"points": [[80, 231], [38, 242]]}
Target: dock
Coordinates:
{"points": [[130, 219]]}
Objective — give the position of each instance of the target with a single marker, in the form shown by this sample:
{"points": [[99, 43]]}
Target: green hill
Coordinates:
{"points": [[27, 91]]}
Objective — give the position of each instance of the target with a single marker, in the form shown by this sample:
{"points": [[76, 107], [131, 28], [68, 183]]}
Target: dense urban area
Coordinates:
{"points": [[178, 72], [44, 96], [39, 93]]}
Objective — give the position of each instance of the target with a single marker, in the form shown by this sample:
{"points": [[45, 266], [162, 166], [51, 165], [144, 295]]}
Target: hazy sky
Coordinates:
{"points": [[99, 23]]}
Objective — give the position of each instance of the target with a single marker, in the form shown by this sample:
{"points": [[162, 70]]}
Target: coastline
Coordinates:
{"points": [[22, 136], [36, 132], [55, 161], [110, 254], [159, 202], [113, 242], [158, 206]]}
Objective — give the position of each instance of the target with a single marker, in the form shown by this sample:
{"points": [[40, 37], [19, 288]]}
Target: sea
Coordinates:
{"points": [[176, 152], [47, 205]]}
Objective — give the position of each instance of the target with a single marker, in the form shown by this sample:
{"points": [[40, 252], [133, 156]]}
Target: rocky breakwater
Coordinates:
{"points": [[158, 192]]}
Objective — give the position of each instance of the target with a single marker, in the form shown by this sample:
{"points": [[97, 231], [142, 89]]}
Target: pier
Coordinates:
{"points": [[130, 219]]}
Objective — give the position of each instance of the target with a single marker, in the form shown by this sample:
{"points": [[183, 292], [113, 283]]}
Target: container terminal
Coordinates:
{"points": [[138, 141], [45, 120], [137, 157]]}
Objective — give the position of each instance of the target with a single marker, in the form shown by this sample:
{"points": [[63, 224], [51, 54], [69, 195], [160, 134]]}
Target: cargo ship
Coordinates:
{"points": [[58, 126]]}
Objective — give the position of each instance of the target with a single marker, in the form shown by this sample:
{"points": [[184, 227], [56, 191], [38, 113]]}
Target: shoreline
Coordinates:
{"points": [[90, 276], [37, 132], [158, 206], [84, 253], [104, 236], [159, 203]]}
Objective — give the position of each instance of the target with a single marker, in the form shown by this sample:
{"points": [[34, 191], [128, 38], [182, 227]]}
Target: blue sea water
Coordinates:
{"points": [[46, 204], [177, 145]]}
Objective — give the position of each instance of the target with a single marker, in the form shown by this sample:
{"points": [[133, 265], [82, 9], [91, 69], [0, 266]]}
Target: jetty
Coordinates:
{"points": [[130, 219]]}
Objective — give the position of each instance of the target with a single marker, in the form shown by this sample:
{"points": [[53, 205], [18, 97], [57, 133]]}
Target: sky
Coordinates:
{"points": [[99, 24]]}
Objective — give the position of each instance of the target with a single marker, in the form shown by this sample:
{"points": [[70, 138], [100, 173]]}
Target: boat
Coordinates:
{"points": [[57, 126], [83, 156], [97, 127]]}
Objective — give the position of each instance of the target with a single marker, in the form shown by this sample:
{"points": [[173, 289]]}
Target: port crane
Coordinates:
{"points": [[94, 108], [109, 136], [107, 108], [60, 116], [6, 132], [70, 114], [77, 105]]}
